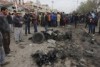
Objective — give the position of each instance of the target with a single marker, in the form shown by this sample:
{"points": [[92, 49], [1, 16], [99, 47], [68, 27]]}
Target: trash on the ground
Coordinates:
{"points": [[88, 53], [79, 49], [49, 58], [51, 41], [21, 46], [50, 34], [30, 44], [44, 59]]}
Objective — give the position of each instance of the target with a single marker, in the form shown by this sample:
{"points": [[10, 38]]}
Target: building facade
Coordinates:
{"points": [[21, 2]]}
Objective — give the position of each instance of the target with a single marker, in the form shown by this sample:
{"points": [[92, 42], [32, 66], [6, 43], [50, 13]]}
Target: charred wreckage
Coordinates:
{"points": [[81, 54]]}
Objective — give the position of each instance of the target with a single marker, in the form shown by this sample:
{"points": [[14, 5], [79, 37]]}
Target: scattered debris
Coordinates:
{"points": [[44, 59], [30, 44], [21, 46], [50, 34], [51, 41], [83, 50], [88, 53]]}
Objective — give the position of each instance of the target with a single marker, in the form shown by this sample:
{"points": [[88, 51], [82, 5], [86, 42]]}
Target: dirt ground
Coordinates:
{"points": [[21, 53]]}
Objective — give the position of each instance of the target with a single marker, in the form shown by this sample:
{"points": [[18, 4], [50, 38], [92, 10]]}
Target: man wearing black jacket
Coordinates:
{"points": [[9, 18], [27, 20], [17, 21], [5, 30]]}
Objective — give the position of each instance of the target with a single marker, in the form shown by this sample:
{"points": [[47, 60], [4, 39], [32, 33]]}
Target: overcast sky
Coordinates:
{"points": [[62, 5]]}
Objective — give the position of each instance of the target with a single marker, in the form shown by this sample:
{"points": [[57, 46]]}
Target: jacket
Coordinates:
{"points": [[1, 38], [27, 18], [4, 26], [9, 18], [17, 21], [34, 19]]}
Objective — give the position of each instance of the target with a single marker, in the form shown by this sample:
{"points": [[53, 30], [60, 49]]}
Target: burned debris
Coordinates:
{"points": [[44, 59], [51, 34], [40, 58], [83, 50]]}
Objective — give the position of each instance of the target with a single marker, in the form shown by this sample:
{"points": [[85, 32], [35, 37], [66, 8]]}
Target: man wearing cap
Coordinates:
{"points": [[17, 20]]}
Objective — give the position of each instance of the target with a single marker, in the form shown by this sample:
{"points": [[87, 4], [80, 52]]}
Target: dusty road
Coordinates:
{"points": [[21, 53]]}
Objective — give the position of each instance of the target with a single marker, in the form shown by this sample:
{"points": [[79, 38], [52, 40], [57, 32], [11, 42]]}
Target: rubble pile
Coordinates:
{"points": [[48, 58], [40, 37], [83, 50], [91, 50]]}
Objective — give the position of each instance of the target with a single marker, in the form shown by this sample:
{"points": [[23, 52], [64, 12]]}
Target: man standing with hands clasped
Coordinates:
{"points": [[17, 20]]}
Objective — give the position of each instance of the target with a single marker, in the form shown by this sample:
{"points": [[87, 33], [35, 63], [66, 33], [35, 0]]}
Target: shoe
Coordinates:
{"points": [[6, 63], [7, 52], [29, 33], [8, 55]]}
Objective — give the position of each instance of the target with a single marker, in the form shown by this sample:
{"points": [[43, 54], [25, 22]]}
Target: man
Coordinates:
{"points": [[34, 21], [5, 30], [9, 18], [94, 17], [87, 20], [17, 20], [76, 19], [58, 19], [49, 19], [39, 19], [2, 53], [46, 22], [90, 23], [99, 21], [54, 19], [27, 21], [62, 19], [42, 19]]}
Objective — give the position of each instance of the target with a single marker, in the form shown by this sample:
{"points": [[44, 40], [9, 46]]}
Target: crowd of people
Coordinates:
{"points": [[13, 22]]}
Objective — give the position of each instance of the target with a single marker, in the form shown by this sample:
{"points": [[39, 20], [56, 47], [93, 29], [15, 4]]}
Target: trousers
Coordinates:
{"points": [[11, 27], [27, 28], [18, 33], [2, 53], [6, 42], [92, 28]]}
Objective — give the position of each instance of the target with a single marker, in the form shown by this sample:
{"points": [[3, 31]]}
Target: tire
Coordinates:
{"points": [[38, 38]]}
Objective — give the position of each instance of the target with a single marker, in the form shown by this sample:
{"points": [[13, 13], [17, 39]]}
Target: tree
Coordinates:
{"points": [[88, 6]]}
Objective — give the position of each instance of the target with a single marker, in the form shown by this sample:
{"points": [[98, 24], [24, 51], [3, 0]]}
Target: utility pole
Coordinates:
{"points": [[77, 2], [52, 5], [37, 3]]}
